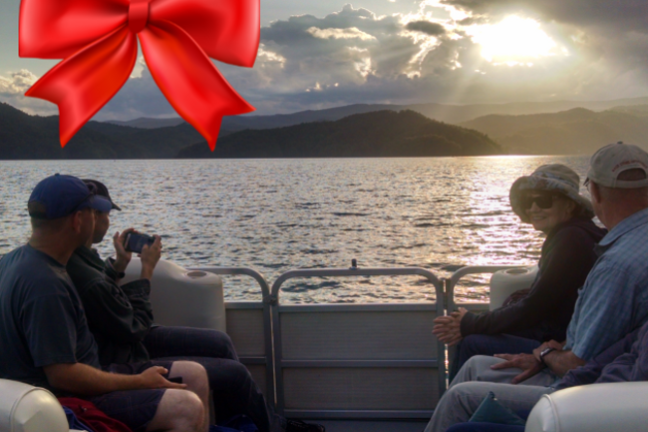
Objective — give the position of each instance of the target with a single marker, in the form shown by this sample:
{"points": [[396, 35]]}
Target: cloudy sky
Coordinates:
{"points": [[319, 54]]}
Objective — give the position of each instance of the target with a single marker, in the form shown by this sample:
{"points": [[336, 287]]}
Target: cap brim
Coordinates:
{"points": [[98, 203]]}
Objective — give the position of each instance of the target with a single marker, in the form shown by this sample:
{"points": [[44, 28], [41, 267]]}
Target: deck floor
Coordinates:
{"points": [[371, 425]]}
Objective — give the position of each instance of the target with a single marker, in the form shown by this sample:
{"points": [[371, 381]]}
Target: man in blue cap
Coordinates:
{"points": [[44, 335]]}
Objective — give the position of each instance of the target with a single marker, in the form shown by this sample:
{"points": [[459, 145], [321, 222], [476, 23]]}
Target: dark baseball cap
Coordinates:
{"points": [[61, 195], [102, 190]]}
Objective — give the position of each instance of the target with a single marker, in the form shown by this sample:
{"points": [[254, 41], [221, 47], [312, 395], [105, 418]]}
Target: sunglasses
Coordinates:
{"points": [[543, 201]]}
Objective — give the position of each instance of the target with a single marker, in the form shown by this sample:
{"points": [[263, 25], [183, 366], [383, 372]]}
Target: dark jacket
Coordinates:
{"points": [[566, 258], [118, 317]]}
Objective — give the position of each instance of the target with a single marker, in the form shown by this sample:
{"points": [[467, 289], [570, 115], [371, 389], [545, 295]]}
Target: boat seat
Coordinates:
{"points": [[609, 407], [503, 283], [25, 408]]}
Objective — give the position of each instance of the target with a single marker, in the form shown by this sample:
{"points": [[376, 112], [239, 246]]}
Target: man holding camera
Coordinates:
{"points": [[121, 319]]}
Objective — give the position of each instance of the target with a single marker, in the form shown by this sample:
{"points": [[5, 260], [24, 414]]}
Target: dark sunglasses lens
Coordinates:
{"points": [[542, 201]]}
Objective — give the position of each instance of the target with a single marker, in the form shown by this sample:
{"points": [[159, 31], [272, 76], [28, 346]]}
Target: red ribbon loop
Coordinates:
{"points": [[98, 43], [138, 15]]}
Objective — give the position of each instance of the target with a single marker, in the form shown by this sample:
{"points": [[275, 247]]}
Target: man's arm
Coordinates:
{"points": [[122, 313], [562, 361], [592, 371], [85, 380]]}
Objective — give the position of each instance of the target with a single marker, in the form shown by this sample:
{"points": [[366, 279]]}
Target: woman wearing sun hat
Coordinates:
{"points": [[548, 199]]}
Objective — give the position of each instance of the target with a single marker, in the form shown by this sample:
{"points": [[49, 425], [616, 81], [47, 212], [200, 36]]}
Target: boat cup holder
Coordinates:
{"points": [[195, 274], [517, 271]]}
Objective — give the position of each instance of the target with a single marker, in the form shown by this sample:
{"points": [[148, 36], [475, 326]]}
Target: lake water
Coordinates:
{"points": [[278, 215]]}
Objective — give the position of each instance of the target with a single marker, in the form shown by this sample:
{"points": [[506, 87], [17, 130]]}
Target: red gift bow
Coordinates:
{"points": [[97, 40]]}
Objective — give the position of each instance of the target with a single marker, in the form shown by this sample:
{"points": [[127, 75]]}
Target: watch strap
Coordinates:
{"points": [[544, 353]]}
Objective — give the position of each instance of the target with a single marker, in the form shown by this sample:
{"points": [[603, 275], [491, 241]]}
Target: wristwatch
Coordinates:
{"points": [[544, 352]]}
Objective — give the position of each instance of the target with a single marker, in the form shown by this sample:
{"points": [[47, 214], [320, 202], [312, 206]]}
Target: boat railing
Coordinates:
{"points": [[307, 347], [342, 350]]}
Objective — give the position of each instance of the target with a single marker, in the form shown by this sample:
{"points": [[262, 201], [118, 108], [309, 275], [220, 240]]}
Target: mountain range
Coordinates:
{"points": [[374, 134], [454, 114], [385, 133], [572, 131], [577, 131]]}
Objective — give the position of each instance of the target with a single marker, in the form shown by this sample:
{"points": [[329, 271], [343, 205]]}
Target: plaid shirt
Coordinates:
{"points": [[614, 300]]}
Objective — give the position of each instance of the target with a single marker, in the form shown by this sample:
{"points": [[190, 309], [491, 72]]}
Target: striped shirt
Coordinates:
{"points": [[614, 300]]}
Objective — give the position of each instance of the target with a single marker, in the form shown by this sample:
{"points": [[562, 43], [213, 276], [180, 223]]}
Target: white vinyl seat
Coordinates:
{"points": [[611, 407], [24, 408]]}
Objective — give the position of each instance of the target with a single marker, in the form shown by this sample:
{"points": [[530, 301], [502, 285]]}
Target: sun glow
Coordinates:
{"points": [[513, 40]]}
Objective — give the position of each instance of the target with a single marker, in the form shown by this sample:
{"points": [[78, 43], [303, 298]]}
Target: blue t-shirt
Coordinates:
{"points": [[42, 321], [614, 300]]}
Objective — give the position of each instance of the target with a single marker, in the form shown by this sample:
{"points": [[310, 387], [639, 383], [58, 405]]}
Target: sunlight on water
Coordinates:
{"points": [[278, 215]]}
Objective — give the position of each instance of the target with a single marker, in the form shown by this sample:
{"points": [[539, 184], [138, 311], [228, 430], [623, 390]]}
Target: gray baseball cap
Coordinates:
{"points": [[613, 159]]}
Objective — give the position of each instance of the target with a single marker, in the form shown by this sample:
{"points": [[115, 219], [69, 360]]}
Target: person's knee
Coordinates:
{"points": [[478, 361], [179, 410], [472, 345], [190, 407], [459, 394], [193, 374], [473, 366], [222, 339]]}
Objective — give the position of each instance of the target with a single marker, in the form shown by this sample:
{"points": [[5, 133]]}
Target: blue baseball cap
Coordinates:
{"points": [[61, 195]]}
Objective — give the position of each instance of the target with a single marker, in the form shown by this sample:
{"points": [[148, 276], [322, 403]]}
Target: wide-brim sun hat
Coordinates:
{"points": [[556, 178]]}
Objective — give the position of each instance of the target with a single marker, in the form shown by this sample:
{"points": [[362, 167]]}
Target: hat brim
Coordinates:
{"points": [[551, 185], [98, 203]]}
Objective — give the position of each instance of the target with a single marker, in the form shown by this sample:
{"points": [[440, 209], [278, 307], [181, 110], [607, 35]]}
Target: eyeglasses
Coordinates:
{"points": [[543, 201]]}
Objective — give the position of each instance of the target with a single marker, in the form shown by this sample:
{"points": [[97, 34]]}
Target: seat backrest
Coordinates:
{"points": [[182, 297], [24, 408], [608, 407]]}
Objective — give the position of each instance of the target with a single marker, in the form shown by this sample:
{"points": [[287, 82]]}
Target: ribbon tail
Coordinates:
{"points": [[189, 80], [83, 83]]}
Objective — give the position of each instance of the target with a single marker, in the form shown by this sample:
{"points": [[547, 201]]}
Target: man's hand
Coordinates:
{"points": [[152, 378], [150, 256], [122, 257], [527, 362], [448, 328]]}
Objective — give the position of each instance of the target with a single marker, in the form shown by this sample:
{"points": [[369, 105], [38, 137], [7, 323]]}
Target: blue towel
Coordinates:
{"points": [[74, 422]]}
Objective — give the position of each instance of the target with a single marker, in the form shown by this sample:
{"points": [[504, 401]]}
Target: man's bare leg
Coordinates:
{"points": [[195, 376], [178, 411]]}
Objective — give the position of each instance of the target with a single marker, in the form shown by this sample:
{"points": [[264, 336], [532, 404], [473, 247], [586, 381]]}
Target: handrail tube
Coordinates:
{"points": [[353, 271], [267, 318], [388, 271], [232, 271], [464, 271]]}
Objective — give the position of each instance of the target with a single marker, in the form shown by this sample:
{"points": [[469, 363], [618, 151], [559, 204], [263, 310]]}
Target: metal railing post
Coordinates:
{"points": [[267, 315]]}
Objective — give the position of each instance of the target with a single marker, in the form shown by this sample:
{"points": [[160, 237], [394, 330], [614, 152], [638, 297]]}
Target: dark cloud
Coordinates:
{"points": [[427, 27], [620, 15], [356, 56]]}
